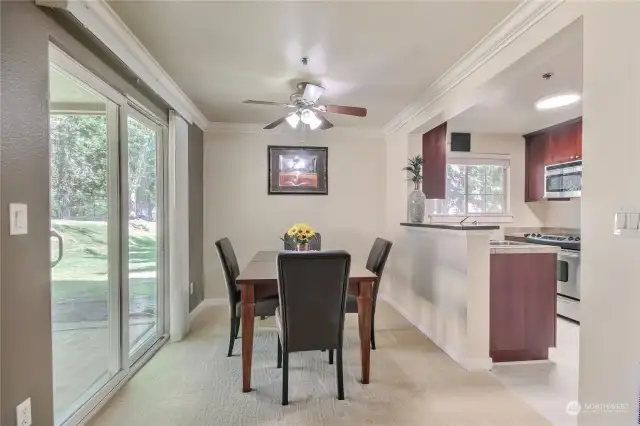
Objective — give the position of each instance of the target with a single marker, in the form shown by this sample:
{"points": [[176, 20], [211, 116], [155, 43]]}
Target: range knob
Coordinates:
{"points": [[571, 238], [539, 235], [577, 238]]}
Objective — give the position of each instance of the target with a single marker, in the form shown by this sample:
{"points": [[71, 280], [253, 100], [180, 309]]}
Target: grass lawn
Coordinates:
{"points": [[82, 272]]}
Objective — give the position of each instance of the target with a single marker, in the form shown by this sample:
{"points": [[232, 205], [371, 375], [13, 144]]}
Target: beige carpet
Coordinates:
{"points": [[413, 382]]}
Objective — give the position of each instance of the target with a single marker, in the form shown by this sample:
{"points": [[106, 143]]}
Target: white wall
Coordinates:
{"points": [[236, 204], [609, 347], [444, 290], [563, 214]]}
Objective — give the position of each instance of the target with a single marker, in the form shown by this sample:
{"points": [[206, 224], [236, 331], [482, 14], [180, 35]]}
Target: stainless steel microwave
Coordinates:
{"points": [[563, 180]]}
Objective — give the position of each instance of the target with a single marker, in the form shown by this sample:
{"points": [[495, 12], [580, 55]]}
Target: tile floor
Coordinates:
{"points": [[549, 387]]}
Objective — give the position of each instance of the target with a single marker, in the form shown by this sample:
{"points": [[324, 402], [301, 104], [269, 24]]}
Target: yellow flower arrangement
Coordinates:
{"points": [[301, 233]]}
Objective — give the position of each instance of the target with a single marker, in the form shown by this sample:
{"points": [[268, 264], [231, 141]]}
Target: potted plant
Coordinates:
{"points": [[416, 202], [301, 234]]}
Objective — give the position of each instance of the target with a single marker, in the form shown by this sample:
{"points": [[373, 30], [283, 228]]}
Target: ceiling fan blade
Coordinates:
{"points": [[347, 110], [250, 101], [312, 92], [326, 124], [276, 123]]}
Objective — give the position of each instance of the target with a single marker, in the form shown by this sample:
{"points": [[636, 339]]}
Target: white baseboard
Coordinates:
{"points": [[537, 361], [220, 301], [470, 364]]}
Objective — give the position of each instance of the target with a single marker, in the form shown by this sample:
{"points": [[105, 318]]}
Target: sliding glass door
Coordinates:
{"points": [[145, 201], [84, 234], [107, 256]]}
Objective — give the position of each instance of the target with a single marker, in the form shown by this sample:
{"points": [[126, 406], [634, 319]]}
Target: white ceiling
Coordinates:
{"points": [[379, 55], [508, 101]]}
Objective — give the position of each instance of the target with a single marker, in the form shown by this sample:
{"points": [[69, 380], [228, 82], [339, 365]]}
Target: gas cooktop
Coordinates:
{"points": [[570, 242]]}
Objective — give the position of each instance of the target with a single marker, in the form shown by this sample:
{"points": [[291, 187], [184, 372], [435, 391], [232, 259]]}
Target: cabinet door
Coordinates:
{"points": [[562, 144], [565, 143], [578, 138], [535, 158], [434, 154]]}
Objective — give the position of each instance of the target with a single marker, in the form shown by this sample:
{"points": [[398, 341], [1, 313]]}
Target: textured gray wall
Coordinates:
{"points": [[24, 178], [25, 297], [196, 269]]}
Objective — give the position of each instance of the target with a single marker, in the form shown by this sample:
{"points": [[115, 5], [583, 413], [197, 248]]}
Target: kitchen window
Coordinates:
{"points": [[475, 187]]}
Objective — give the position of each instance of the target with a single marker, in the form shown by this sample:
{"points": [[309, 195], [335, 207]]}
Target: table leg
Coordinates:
{"points": [[365, 289], [248, 305]]}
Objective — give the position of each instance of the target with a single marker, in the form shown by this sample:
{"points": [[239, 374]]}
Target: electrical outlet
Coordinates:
{"points": [[23, 413], [191, 287]]}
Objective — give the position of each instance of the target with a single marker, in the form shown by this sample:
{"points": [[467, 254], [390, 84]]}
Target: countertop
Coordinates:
{"points": [[515, 247], [451, 227]]}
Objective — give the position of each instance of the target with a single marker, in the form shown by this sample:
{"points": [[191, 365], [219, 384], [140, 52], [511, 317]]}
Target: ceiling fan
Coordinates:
{"points": [[306, 108]]}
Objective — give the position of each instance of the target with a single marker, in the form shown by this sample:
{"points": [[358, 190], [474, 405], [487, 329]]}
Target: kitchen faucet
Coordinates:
{"points": [[475, 222]]}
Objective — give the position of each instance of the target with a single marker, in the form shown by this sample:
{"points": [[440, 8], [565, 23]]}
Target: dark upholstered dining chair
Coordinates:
{"points": [[312, 287], [375, 263], [314, 244], [264, 307]]}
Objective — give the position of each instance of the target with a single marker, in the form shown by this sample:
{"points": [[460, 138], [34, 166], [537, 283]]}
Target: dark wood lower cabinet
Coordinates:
{"points": [[522, 306]]}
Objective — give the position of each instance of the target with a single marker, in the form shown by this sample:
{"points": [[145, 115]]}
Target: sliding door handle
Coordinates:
{"points": [[56, 235]]}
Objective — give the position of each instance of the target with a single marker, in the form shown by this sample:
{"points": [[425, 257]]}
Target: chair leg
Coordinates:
{"points": [[373, 333], [232, 335], [279, 353], [237, 327], [340, 378], [285, 378], [331, 356]]}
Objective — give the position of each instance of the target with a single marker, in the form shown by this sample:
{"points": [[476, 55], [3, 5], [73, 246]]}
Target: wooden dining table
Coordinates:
{"points": [[259, 279]]}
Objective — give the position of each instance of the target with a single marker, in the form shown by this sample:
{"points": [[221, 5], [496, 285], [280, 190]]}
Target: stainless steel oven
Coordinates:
{"points": [[568, 277], [563, 180]]}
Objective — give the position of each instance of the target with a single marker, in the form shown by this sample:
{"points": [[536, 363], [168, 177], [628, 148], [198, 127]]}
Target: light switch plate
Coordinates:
{"points": [[18, 219], [23, 413]]}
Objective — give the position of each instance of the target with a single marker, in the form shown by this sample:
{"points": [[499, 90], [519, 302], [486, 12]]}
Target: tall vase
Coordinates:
{"points": [[416, 204]]}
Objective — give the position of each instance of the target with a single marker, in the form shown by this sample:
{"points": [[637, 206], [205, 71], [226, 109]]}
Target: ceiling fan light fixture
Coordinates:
{"points": [[309, 117], [315, 123], [293, 120]]}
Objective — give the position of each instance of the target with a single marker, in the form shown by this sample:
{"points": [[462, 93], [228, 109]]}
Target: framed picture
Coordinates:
{"points": [[298, 170]]}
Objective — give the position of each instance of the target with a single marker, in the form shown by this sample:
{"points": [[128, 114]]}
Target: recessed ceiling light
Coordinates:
{"points": [[557, 101]]}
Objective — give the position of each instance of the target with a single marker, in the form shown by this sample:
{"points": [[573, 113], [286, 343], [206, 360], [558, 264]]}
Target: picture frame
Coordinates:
{"points": [[298, 170]]}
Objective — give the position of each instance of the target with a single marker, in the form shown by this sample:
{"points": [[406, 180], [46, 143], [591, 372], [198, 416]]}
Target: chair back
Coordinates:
{"points": [[231, 271], [377, 260], [312, 287], [314, 243]]}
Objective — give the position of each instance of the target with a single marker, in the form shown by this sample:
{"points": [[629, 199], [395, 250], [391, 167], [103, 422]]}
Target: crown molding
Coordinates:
{"points": [[257, 128], [98, 17], [516, 23]]}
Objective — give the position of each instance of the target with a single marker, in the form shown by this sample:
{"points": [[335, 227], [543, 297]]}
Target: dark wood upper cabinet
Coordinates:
{"points": [[578, 138], [565, 143], [434, 154], [557, 144], [535, 157]]}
